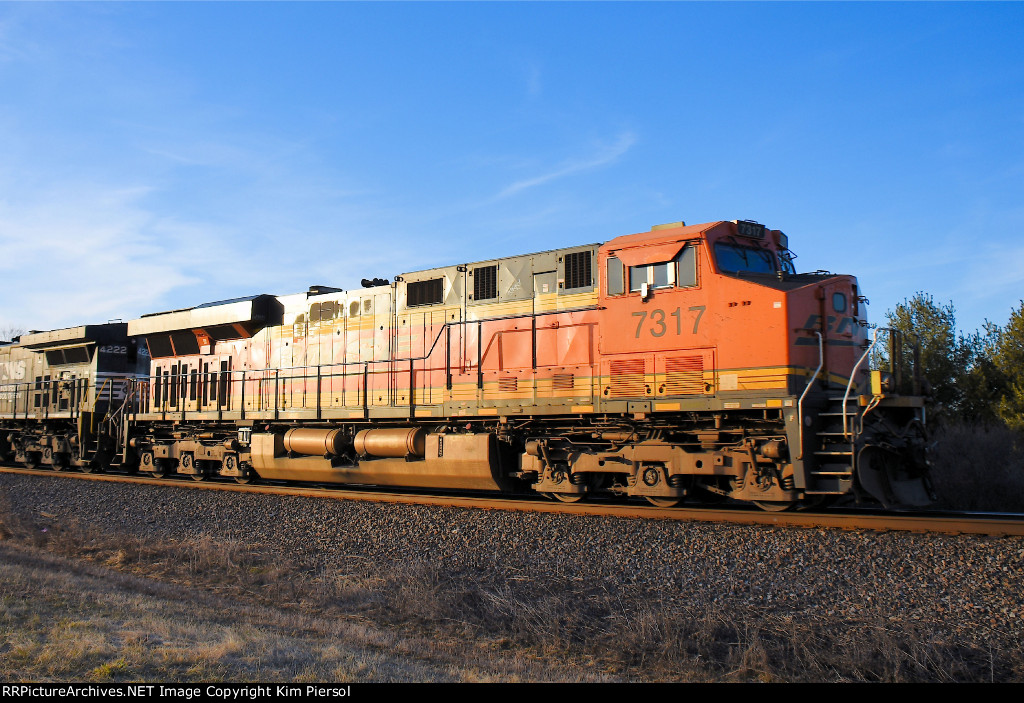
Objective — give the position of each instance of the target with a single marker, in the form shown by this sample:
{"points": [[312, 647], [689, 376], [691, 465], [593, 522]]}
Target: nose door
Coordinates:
{"points": [[839, 316]]}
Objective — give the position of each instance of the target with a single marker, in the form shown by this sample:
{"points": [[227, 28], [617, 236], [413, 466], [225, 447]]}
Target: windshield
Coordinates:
{"points": [[732, 258]]}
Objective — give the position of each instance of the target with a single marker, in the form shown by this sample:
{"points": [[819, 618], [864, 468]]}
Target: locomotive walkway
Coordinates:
{"points": [[998, 525]]}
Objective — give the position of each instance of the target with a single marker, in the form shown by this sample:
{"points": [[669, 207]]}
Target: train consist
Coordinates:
{"points": [[683, 361]]}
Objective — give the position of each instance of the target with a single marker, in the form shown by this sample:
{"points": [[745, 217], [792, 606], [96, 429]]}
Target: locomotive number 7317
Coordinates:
{"points": [[658, 323]]}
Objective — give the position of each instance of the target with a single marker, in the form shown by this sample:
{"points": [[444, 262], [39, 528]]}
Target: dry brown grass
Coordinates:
{"points": [[67, 620], [79, 604], [662, 641]]}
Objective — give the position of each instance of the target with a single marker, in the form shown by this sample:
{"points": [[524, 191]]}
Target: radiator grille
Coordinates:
{"points": [[577, 270], [563, 382], [627, 378], [429, 292], [485, 283], [508, 384], [684, 375]]}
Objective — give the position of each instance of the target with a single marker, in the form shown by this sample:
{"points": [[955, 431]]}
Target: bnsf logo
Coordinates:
{"points": [[12, 370], [846, 324]]}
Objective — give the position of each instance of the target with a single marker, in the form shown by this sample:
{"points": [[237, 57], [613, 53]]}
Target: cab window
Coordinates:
{"points": [[616, 285], [686, 267], [654, 275], [733, 258], [680, 272]]}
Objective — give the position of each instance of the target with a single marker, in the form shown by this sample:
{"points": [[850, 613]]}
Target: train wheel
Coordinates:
{"points": [[31, 460], [88, 466], [46, 460], [161, 467], [774, 506], [98, 464], [567, 497], [663, 502], [188, 464], [245, 480]]}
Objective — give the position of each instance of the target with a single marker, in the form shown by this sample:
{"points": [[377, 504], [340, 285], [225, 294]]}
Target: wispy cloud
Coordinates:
{"points": [[84, 253], [604, 154], [993, 274]]}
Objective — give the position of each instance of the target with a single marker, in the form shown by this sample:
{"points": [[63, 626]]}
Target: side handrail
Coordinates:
{"points": [[129, 392], [853, 375], [97, 395], [810, 381], [340, 369]]}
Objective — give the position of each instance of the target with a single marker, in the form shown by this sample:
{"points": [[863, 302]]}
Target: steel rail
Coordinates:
{"points": [[995, 525]]}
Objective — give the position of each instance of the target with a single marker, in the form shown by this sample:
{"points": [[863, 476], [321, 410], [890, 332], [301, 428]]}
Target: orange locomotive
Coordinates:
{"points": [[684, 361]]}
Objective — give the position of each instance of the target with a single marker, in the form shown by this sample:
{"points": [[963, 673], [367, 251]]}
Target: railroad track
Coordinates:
{"points": [[991, 524]]}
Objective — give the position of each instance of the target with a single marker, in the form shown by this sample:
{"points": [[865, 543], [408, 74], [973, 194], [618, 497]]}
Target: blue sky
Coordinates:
{"points": [[160, 155]]}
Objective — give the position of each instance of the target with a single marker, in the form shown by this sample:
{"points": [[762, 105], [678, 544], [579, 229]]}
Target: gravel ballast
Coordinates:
{"points": [[962, 589]]}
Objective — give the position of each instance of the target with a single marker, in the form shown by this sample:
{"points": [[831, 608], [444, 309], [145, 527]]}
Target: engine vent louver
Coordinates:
{"points": [[485, 283], [578, 270], [430, 292], [684, 375], [563, 382], [627, 378]]}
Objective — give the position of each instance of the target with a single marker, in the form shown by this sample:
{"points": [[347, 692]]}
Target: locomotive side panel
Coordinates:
{"points": [[681, 360], [17, 367]]}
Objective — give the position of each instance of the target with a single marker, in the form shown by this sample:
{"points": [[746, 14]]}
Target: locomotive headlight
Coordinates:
{"points": [[888, 383]]}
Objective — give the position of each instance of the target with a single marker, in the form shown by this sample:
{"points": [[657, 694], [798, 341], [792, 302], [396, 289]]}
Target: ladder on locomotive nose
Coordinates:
{"points": [[117, 427], [114, 423], [834, 447], [836, 440]]}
